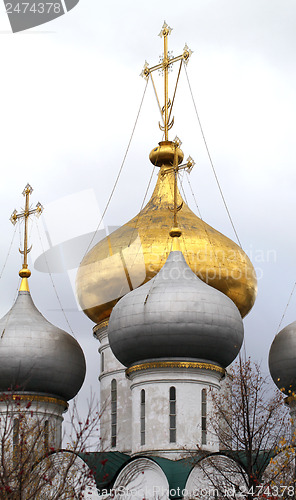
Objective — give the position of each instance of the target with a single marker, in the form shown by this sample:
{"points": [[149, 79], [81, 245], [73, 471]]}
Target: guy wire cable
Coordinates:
{"points": [[119, 173], [211, 161]]}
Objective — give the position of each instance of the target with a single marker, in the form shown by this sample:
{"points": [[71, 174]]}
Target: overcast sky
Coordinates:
{"points": [[70, 95]]}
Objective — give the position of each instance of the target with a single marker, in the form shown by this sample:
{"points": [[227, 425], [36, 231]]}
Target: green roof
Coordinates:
{"points": [[107, 465], [177, 472]]}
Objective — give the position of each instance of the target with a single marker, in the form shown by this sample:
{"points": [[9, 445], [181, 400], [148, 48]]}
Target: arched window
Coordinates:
{"points": [[204, 416], [46, 435], [172, 414], [142, 417], [113, 412], [102, 362]]}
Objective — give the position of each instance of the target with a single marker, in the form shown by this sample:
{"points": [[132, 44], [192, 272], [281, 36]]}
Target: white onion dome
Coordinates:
{"points": [[282, 355], [177, 316], [36, 356]]}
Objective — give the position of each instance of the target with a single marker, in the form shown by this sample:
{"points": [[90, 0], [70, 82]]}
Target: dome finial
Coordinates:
{"points": [[25, 273]]}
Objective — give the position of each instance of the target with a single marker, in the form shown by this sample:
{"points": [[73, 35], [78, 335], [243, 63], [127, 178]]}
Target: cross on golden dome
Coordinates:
{"points": [[165, 65], [25, 214], [166, 62], [214, 258]]}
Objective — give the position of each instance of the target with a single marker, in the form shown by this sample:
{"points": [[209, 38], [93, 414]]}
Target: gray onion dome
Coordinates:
{"points": [[36, 356], [282, 355], [175, 315]]}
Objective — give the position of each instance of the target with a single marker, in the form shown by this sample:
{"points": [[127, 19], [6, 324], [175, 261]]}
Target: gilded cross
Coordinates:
{"points": [[25, 214], [165, 65]]}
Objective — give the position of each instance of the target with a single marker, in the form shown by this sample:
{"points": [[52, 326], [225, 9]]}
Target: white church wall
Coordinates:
{"points": [[114, 370], [156, 383], [38, 419]]}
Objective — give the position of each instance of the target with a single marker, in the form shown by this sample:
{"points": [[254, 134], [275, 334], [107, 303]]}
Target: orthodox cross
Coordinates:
{"points": [[165, 65], [25, 214]]}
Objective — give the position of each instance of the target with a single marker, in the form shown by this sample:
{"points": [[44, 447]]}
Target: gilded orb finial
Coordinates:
{"points": [[25, 273]]}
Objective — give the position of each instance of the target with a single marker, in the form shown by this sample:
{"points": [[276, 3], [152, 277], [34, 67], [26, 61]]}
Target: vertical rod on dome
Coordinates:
{"points": [[175, 168], [166, 80], [175, 232], [27, 191]]}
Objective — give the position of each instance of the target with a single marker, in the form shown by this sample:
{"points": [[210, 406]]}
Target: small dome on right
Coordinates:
{"points": [[282, 356]]}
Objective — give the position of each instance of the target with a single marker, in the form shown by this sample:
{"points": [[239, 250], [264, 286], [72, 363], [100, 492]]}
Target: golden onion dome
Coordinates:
{"points": [[134, 253]]}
